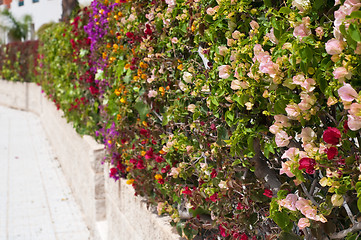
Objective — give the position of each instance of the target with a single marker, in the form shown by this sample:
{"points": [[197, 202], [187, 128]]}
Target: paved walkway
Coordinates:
{"points": [[35, 201]]}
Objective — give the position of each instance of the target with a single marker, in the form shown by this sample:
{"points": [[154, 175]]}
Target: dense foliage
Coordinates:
{"points": [[18, 61], [239, 119]]}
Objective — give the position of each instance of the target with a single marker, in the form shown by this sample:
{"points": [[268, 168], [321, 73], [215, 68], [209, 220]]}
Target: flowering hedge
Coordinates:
{"points": [[18, 61], [239, 119]]}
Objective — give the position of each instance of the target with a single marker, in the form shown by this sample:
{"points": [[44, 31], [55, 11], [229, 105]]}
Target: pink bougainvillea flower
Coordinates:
{"points": [[354, 122], [332, 135], [292, 153], [286, 169], [289, 202], [268, 193], [341, 73], [303, 223], [355, 109], [331, 153], [282, 139], [347, 93], [334, 46], [308, 164], [301, 31], [293, 110], [224, 71]]}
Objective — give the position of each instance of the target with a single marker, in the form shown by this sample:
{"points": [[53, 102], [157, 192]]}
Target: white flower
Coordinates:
{"points": [[187, 77]]}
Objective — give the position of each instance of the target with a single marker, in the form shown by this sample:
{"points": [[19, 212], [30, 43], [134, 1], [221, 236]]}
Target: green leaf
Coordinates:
{"points": [[142, 109], [268, 3], [356, 14], [209, 18], [190, 232], [285, 10], [179, 227], [283, 221], [280, 106], [236, 162], [354, 32]]}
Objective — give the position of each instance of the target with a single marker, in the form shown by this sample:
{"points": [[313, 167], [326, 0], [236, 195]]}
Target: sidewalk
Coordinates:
{"points": [[35, 200]]}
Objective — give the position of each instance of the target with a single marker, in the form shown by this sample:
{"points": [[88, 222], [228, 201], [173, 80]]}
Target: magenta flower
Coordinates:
{"points": [[308, 164], [332, 135], [331, 153]]}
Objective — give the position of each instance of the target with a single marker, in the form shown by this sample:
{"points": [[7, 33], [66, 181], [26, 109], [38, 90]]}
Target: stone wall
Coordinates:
{"points": [[110, 208]]}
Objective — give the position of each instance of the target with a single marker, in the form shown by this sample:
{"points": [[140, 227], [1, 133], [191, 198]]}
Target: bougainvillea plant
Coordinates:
{"points": [[239, 119]]}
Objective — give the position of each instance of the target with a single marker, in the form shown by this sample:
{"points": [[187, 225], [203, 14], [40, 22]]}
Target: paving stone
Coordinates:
{"points": [[35, 201]]}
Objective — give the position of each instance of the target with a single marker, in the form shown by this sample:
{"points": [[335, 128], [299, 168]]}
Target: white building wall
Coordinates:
{"points": [[44, 11]]}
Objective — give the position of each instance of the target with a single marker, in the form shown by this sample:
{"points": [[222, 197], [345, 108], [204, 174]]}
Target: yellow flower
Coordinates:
{"points": [[110, 141], [158, 176], [115, 46], [130, 181], [145, 124], [122, 100], [143, 153], [180, 67]]}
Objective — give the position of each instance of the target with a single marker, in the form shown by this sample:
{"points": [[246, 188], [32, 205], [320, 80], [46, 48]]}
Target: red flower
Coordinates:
{"points": [[244, 237], [331, 153], [213, 127], [140, 164], [161, 181], [308, 164], [332, 135], [214, 197], [113, 172], [213, 173], [93, 90], [187, 191], [222, 231], [240, 206], [345, 127], [159, 159], [149, 154], [268, 193], [130, 34], [143, 132]]}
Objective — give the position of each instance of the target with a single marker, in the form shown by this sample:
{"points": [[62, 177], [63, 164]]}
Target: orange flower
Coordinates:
{"points": [[130, 181], [180, 67], [127, 66], [158, 176]]}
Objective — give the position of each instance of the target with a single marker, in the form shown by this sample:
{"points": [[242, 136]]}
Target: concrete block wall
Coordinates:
{"points": [[110, 208]]}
